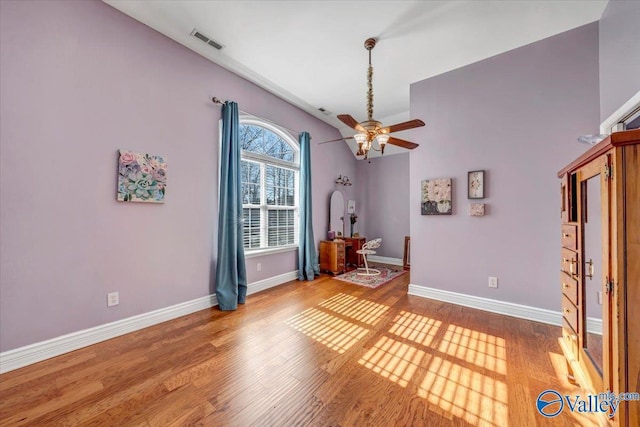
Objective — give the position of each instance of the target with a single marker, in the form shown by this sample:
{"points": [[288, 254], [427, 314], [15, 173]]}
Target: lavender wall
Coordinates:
{"points": [[516, 115], [384, 202], [619, 55], [91, 82]]}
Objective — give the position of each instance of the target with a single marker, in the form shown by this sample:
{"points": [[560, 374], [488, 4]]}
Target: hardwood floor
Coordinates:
{"points": [[315, 353]]}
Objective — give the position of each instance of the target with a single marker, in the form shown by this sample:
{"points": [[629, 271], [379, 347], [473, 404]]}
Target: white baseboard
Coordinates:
{"points": [[385, 260], [501, 307], [486, 304], [37, 352], [261, 285], [594, 326]]}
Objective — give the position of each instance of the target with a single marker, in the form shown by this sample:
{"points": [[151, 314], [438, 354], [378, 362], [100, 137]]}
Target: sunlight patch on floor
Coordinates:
{"points": [[414, 327], [362, 310], [394, 360], [465, 393], [447, 367], [336, 333], [483, 350]]}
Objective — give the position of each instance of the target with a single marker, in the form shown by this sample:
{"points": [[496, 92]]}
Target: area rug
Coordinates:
{"points": [[385, 276]]}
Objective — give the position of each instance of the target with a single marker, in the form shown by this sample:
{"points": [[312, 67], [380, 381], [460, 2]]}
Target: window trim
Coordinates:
{"points": [[620, 115], [254, 253], [294, 166]]}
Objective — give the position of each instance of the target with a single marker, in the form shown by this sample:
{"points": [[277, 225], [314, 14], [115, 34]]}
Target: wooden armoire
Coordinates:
{"points": [[600, 270]]}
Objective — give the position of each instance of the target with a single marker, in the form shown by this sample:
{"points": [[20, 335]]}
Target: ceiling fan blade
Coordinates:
{"points": [[415, 123], [402, 143], [351, 122], [334, 140]]}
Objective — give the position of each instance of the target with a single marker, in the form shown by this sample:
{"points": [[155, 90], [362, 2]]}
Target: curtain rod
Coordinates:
{"points": [[221, 102]]}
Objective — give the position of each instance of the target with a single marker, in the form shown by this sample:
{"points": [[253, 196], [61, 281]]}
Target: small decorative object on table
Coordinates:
{"points": [[475, 182], [353, 218], [436, 196]]}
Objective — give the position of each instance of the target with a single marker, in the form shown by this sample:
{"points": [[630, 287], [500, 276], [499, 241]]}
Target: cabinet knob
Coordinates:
{"points": [[565, 286], [567, 311]]}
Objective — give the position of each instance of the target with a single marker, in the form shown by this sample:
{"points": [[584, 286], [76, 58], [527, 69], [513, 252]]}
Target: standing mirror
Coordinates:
{"points": [[336, 213]]}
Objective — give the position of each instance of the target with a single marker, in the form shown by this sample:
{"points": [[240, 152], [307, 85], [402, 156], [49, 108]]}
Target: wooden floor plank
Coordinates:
{"points": [[324, 352]]}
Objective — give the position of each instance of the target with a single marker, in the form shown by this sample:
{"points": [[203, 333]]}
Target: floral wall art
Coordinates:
{"points": [[141, 177], [436, 196], [476, 209]]}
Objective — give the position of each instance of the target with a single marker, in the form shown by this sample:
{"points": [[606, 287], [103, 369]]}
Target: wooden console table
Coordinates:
{"points": [[336, 254], [332, 256], [354, 244]]}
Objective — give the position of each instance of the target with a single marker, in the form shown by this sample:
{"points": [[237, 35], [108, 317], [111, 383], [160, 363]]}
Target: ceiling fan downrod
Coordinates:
{"points": [[369, 44]]}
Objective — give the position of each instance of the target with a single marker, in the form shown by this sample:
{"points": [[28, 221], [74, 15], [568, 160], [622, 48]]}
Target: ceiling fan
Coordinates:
{"points": [[372, 130]]}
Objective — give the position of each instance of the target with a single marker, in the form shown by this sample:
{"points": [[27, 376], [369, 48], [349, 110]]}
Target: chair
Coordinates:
{"points": [[368, 249]]}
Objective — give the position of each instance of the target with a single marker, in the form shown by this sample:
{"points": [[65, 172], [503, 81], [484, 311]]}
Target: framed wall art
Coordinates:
{"points": [[436, 196], [141, 177], [475, 184], [476, 209], [351, 206]]}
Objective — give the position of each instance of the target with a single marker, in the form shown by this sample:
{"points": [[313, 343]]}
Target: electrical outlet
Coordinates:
{"points": [[259, 266], [600, 298], [113, 298], [493, 282]]}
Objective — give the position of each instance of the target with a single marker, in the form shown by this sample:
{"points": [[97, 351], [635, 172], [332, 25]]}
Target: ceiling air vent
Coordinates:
{"points": [[197, 34]]}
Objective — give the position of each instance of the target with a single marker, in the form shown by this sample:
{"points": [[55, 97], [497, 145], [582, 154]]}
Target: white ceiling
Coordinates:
{"points": [[311, 53]]}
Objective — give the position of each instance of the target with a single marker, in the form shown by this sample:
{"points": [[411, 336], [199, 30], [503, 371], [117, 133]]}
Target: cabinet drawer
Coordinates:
{"points": [[570, 312], [570, 339], [569, 287], [570, 236], [569, 262]]}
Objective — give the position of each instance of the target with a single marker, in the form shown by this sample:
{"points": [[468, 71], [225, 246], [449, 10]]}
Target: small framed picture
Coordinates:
{"points": [[475, 183], [476, 209], [351, 206]]}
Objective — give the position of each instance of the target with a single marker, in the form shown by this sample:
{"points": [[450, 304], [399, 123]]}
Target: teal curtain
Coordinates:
{"points": [[231, 273], [307, 255]]}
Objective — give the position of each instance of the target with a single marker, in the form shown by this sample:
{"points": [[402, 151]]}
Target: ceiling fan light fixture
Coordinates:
{"points": [[382, 139], [360, 138]]}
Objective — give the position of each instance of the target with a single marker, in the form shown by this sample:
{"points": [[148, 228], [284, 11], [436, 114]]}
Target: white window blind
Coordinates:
{"points": [[269, 175]]}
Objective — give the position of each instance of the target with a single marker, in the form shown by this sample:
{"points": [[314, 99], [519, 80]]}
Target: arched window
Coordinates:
{"points": [[270, 167]]}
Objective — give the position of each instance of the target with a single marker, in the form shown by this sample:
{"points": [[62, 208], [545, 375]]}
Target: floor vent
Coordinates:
{"points": [[197, 34]]}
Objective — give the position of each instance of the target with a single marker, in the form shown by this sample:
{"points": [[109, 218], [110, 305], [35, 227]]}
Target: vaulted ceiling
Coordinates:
{"points": [[311, 53]]}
